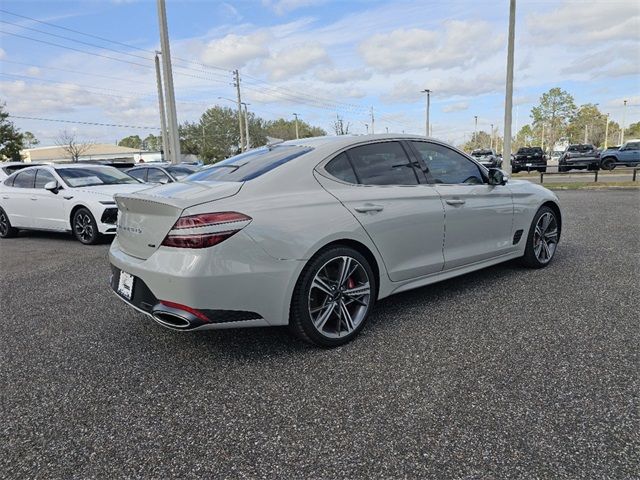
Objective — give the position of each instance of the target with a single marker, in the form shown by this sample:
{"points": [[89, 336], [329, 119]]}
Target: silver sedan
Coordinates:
{"points": [[311, 233]]}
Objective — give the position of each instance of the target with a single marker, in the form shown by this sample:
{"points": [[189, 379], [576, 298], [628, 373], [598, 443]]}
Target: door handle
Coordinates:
{"points": [[369, 207], [34, 198], [455, 202]]}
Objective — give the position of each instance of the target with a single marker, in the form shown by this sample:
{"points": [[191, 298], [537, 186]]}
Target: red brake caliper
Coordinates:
{"points": [[350, 283]]}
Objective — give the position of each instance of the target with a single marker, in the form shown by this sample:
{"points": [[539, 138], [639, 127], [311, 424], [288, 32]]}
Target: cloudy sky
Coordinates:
{"points": [[318, 58]]}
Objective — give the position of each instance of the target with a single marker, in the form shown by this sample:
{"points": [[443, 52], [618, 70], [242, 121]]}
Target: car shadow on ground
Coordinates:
{"points": [[257, 343], [62, 236]]}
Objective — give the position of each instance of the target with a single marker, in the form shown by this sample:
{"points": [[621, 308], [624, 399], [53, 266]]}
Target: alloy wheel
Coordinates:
{"points": [[4, 224], [84, 227], [339, 297], [545, 237]]}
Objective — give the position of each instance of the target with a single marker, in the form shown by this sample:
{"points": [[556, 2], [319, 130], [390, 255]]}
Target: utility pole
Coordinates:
{"points": [[427, 124], [586, 133], [508, 98], [246, 124], [297, 134], [372, 122], [475, 128], [491, 138], [542, 138], [172, 116], [606, 133], [236, 83], [387, 129], [624, 121], [163, 118]]}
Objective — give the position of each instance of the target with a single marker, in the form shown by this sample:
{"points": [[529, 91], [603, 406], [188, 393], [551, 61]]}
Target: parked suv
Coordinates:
{"points": [[579, 156], [487, 157], [529, 158], [628, 154]]}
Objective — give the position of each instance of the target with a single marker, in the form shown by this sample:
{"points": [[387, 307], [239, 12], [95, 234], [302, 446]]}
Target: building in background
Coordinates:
{"points": [[94, 153]]}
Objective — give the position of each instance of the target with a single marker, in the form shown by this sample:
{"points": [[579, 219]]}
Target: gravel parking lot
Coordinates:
{"points": [[502, 373]]}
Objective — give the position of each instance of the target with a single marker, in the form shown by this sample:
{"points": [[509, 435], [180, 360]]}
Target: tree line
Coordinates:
{"points": [[555, 119], [216, 135]]}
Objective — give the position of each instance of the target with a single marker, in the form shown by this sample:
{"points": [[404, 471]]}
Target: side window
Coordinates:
{"points": [[25, 179], [383, 164], [340, 168], [139, 173], [155, 175], [447, 166], [633, 146], [43, 177]]}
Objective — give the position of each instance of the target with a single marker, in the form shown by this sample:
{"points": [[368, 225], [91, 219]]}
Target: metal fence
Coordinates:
{"points": [[620, 167]]}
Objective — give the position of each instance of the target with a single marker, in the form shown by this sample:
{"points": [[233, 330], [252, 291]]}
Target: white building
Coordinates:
{"points": [[96, 152]]}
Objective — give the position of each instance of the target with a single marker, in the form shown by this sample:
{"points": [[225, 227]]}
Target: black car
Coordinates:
{"points": [[529, 158], [579, 157], [161, 173], [487, 157]]}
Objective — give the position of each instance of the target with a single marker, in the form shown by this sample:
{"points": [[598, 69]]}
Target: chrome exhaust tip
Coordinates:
{"points": [[175, 318]]}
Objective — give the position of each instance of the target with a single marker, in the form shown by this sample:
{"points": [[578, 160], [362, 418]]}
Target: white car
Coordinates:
{"points": [[76, 198], [7, 168], [312, 232]]}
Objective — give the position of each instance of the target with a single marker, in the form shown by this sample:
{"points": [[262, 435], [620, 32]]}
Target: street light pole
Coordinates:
{"points": [[236, 83], [170, 97], [297, 132], [475, 128], [491, 138], [246, 124], [373, 122], [427, 124], [624, 119], [606, 133], [508, 101], [163, 117]]}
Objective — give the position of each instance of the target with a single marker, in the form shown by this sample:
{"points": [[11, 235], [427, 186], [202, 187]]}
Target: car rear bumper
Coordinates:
{"points": [[234, 284]]}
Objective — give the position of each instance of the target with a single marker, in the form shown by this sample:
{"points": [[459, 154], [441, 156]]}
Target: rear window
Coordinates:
{"points": [[180, 172], [580, 148], [530, 151], [481, 153], [249, 165]]}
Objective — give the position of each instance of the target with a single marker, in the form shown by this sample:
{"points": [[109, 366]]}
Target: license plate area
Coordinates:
{"points": [[125, 285]]}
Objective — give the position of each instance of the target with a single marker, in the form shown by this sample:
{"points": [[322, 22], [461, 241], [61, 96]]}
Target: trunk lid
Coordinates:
{"points": [[145, 217]]}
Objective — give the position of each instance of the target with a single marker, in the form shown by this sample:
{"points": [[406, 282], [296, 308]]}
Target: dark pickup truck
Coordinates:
{"points": [[529, 158], [579, 157]]}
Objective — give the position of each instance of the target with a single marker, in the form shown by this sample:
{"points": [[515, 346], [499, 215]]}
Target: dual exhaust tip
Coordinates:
{"points": [[176, 318]]}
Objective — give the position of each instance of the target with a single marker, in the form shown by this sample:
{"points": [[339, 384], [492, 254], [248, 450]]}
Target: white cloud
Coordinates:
{"points": [[3, 54], [460, 44], [235, 51], [34, 71], [586, 23], [335, 75], [293, 61], [455, 107], [285, 6]]}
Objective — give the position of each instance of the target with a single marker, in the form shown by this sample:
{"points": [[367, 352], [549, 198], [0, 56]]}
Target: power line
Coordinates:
{"points": [[83, 123]]}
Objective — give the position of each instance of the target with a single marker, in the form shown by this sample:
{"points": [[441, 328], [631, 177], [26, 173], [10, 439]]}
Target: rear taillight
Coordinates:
{"points": [[207, 229]]}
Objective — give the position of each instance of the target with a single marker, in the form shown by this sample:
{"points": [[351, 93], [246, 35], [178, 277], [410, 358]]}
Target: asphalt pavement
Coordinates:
{"points": [[503, 373]]}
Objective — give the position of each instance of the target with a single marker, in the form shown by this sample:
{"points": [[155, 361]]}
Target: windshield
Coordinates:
{"points": [[180, 172], [250, 165], [92, 176]]}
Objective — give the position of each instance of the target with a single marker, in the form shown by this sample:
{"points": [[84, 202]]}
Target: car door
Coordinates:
{"points": [[478, 216], [387, 193], [18, 199], [631, 153], [49, 209]]}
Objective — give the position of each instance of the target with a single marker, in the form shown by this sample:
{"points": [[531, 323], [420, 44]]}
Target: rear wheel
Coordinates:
{"points": [[6, 230], [333, 297], [85, 228], [543, 238]]}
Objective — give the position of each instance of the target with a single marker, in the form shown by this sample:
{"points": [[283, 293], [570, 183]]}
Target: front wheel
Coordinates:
{"points": [[6, 230], [85, 228], [332, 300], [608, 164], [542, 240]]}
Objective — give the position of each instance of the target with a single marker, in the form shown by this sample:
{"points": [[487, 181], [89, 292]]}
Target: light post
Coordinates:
{"points": [[246, 121], [606, 133], [491, 138], [428, 92], [475, 129], [297, 134], [624, 117]]}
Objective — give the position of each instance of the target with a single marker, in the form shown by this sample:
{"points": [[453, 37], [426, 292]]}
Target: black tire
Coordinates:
{"points": [[300, 320], [530, 259], [84, 227], [6, 230], [608, 163]]}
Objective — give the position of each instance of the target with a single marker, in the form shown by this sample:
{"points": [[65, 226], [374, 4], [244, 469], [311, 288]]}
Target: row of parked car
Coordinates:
{"points": [[575, 157]]}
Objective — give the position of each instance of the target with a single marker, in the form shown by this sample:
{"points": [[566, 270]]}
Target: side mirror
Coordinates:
{"points": [[497, 177], [52, 186]]}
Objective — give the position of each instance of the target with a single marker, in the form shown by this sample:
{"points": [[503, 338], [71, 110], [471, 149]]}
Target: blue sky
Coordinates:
{"points": [[319, 58]]}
